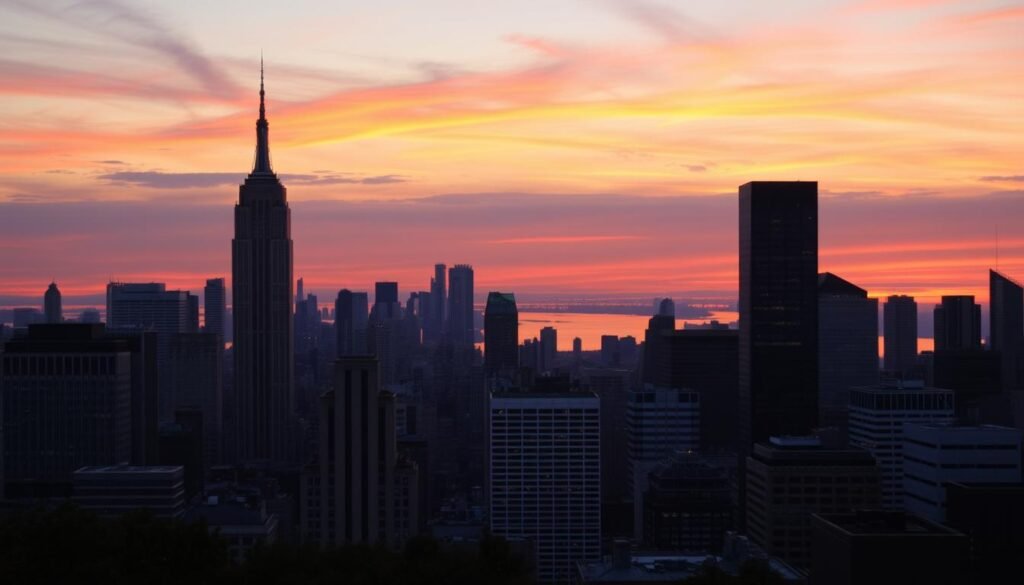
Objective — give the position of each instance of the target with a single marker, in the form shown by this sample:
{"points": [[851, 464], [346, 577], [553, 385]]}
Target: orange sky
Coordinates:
{"points": [[582, 148]]}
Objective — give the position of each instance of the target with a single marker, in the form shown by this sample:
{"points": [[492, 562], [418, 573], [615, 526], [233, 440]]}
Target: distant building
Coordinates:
{"points": [[847, 346], [89, 316], [612, 386], [434, 321], [885, 548], [790, 478], [23, 317], [936, 455], [610, 356], [548, 348], [1006, 318], [67, 398], [112, 490], [196, 381], [461, 330], [52, 304], [660, 421], [877, 417], [351, 316], [656, 363], [501, 336], [687, 505], [900, 331], [957, 323], [215, 307], [553, 439]]}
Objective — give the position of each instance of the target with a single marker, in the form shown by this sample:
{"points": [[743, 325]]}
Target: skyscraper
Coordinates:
{"points": [[385, 301], [778, 345], [1006, 319], [460, 305], [548, 348], [261, 293], [501, 335], [847, 345], [214, 299], [957, 323], [434, 321], [900, 330], [345, 307], [52, 304]]}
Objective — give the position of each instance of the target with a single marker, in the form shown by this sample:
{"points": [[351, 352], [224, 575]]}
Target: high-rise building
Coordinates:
{"points": [[544, 477], [1006, 319], [667, 307], [214, 307], [192, 320], [196, 382], [52, 304], [900, 330], [501, 335], [874, 547], [461, 330], [687, 505], [434, 321], [385, 301], [876, 420], [936, 455], [67, 403], [847, 346], [610, 355], [612, 385], [957, 323], [261, 304], [350, 322], [791, 478], [778, 340], [659, 327], [151, 307], [548, 348], [704, 360]]}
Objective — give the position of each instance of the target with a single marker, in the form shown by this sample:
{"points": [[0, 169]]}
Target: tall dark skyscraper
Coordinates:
{"points": [[52, 304], [1006, 326], [433, 323], [261, 293], [778, 346], [957, 323], [214, 299], [548, 348], [460, 305], [501, 334], [385, 301], [899, 316]]}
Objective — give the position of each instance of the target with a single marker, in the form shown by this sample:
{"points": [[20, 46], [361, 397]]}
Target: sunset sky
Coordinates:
{"points": [[562, 147]]}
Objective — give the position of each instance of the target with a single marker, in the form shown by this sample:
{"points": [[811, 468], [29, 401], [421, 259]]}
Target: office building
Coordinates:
{"points": [[612, 385], [548, 348], [687, 505], [1006, 331], [23, 317], [214, 307], [501, 336], [847, 346], [261, 305], [67, 403], [243, 526], [52, 310], [656, 362], [790, 478], [957, 324], [778, 339], [461, 330], [112, 490], [660, 421], [434, 321], [876, 421], [704, 360], [874, 547], [900, 331], [610, 351], [351, 317], [196, 382], [385, 301], [936, 455], [544, 477]]}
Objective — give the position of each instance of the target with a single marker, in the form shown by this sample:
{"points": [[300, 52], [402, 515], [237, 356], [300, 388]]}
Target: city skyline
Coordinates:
{"points": [[637, 121]]}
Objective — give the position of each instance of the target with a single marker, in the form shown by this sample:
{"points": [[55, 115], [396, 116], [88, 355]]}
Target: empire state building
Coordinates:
{"points": [[261, 294]]}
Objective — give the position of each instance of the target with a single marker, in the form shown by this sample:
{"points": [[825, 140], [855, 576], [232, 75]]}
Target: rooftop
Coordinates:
{"points": [[881, 522]]}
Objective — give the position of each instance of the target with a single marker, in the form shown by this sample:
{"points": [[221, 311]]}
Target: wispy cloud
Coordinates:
{"points": [[1004, 178], [166, 180], [563, 240]]}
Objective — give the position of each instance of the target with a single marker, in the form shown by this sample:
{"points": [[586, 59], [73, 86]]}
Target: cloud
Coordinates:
{"points": [[165, 180], [532, 240], [696, 168], [1004, 178], [663, 19]]}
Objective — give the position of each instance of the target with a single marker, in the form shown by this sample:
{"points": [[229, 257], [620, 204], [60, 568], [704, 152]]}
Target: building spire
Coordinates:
{"points": [[262, 163]]}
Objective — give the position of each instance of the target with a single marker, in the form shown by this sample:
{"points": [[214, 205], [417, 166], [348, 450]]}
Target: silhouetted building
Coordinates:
{"points": [[552, 438], [876, 419], [656, 353], [89, 316], [23, 317], [992, 517], [687, 505], [113, 490], [196, 381], [351, 315], [874, 547], [936, 455], [501, 335], [461, 330], [667, 307], [610, 351], [957, 324], [261, 293], [778, 339], [548, 348], [192, 320], [900, 331], [975, 375], [385, 301], [182, 443], [67, 403], [790, 478], [847, 346], [52, 304], [433, 325], [704, 360], [214, 307], [1006, 319], [612, 387]]}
